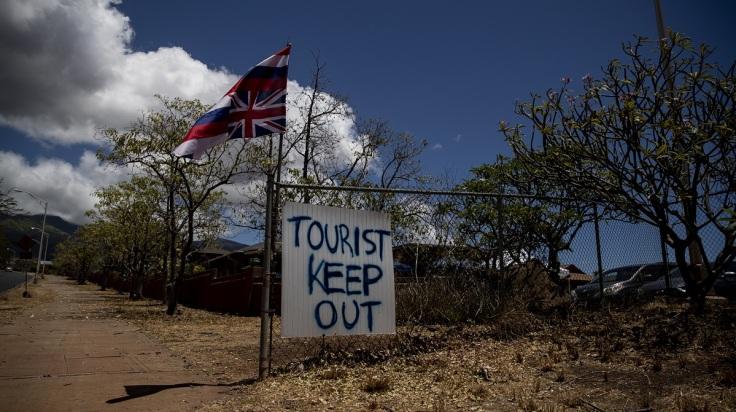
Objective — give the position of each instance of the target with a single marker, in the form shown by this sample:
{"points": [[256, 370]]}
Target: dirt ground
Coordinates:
{"points": [[223, 346], [12, 301], [657, 356]]}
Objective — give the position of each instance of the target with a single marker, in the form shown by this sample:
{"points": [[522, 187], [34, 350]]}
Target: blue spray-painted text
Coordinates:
{"points": [[339, 239], [336, 275]]}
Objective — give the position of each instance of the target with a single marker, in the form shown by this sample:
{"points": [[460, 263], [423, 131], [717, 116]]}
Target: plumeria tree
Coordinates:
{"points": [[654, 138], [510, 229]]}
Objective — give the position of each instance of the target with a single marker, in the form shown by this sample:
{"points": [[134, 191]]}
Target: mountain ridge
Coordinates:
{"points": [[14, 227]]}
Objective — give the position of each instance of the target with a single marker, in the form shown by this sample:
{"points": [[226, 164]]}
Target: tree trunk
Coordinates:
{"points": [[82, 275], [693, 288], [136, 284], [131, 291], [170, 298], [170, 294], [553, 267], [139, 287], [165, 273], [174, 296]]}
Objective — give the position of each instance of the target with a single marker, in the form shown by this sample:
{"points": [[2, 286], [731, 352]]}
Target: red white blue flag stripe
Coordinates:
{"points": [[254, 106]]}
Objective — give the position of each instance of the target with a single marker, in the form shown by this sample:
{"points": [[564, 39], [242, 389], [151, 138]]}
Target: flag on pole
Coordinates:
{"points": [[254, 106]]}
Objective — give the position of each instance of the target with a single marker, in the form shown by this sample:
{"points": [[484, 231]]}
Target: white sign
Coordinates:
{"points": [[338, 273]]}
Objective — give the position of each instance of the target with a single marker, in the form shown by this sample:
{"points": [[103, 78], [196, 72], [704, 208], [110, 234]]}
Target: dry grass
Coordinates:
{"points": [[692, 403], [377, 384], [610, 366], [333, 373], [12, 302], [605, 359]]}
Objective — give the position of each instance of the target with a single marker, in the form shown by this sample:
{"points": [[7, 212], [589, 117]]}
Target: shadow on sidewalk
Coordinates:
{"points": [[139, 391]]}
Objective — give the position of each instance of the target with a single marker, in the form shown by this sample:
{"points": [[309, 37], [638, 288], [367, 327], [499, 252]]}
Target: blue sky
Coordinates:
{"points": [[444, 71], [433, 68]]}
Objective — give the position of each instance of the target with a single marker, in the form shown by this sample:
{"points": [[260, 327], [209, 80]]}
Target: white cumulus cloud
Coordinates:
{"points": [[68, 188], [68, 70]]}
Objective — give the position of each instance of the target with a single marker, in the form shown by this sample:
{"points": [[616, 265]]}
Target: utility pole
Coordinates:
{"points": [[660, 21], [696, 259]]}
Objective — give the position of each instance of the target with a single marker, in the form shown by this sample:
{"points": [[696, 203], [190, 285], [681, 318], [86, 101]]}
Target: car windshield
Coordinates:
{"points": [[618, 275], [651, 273]]}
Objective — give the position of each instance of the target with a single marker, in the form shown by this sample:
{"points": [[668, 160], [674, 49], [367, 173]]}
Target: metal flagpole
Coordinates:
{"points": [[266, 291], [275, 219], [264, 361], [264, 355]]}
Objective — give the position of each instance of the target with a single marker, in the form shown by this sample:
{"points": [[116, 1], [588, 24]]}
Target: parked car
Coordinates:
{"points": [[659, 286], [620, 283], [725, 284], [591, 291], [626, 290]]}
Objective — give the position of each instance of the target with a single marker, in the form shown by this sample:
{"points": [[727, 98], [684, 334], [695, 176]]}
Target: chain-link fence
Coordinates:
{"points": [[470, 258]]}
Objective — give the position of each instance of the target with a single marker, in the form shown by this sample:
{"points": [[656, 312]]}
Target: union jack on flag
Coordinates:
{"points": [[254, 106]]}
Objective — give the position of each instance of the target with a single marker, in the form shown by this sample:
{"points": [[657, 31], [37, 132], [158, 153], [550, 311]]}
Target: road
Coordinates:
{"points": [[9, 280]]}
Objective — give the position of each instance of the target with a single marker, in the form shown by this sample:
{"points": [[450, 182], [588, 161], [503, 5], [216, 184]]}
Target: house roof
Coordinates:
{"points": [[210, 250], [576, 275], [579, 277], [572, 269], [245, 253]]}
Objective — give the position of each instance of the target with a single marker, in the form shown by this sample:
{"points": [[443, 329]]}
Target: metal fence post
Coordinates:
{"points": [[665, 259], [499, 235], [264, 353], [598, 250]]}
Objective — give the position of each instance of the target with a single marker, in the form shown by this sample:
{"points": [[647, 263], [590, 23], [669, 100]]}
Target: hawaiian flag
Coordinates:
{"points": [[254, 106]]}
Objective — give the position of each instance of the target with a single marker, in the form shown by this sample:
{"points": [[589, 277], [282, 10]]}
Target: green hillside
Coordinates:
{"points": [[13, 228]]}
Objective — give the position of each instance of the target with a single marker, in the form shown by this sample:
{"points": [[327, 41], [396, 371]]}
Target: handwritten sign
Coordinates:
{"points": [[338, 276]]}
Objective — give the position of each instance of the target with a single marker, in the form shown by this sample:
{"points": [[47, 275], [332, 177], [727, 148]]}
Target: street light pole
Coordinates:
{"points": [[45, 247], [40, 245], [45, 257], [43, 232], [43, 229]]}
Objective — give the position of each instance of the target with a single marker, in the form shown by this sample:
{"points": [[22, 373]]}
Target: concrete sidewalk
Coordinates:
{"points": [[56, 358]]}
